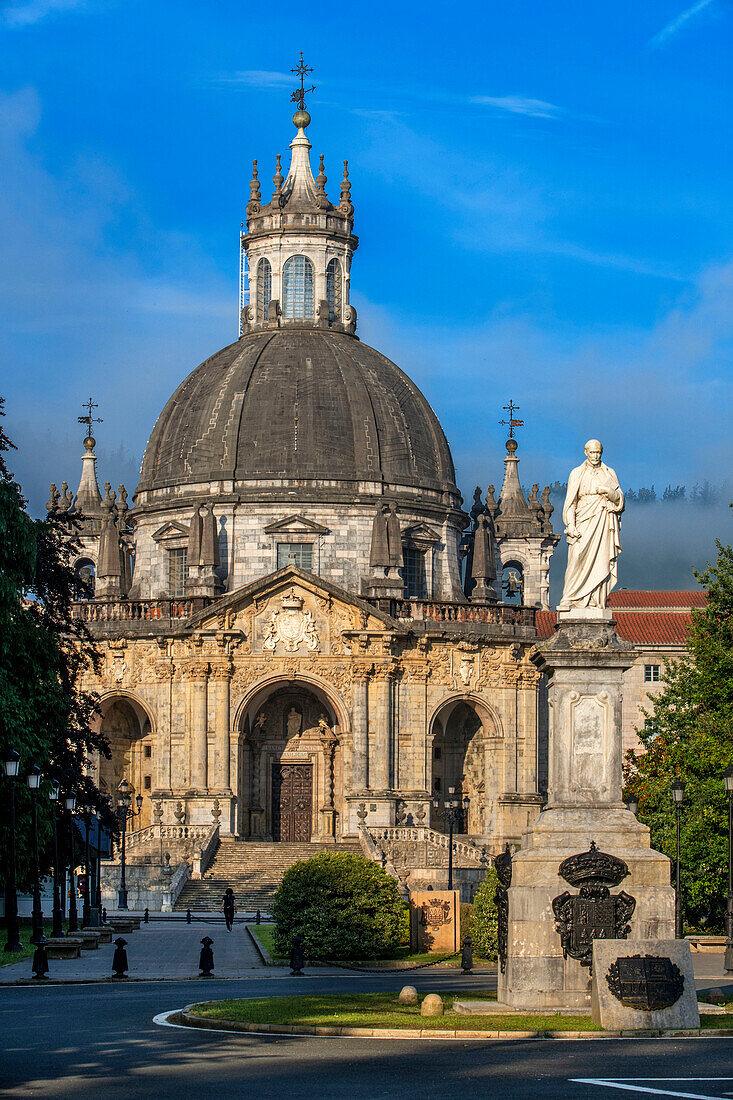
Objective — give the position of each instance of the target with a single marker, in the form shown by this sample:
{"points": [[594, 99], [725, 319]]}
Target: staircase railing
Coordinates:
{"points": [[205, 855], [382, 835], [141, 837]]}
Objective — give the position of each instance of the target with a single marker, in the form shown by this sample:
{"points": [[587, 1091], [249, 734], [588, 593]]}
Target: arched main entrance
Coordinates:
{"points": [[127, 729], [461, 731], [291, 781]]}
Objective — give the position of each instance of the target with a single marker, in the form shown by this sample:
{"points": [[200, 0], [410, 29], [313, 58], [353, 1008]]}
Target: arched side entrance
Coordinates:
{"points": [[291, 765], [464, 757], [127, 728]]}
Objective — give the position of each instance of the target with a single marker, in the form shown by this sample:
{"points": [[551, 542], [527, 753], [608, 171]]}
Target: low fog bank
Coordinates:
{"points": [[41, 458], [662, 543]]}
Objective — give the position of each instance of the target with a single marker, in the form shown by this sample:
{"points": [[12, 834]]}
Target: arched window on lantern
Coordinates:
{"points": [[264, 288], [298, 288], [84, 579], [512, 583], [333, 290]]}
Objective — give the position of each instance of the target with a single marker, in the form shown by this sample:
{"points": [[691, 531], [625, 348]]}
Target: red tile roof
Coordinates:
{"points": [[629, 597], [641, 627]]}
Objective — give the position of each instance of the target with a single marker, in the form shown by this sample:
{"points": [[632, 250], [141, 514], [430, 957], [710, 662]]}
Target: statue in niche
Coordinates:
{"points": [[593, 507], [293, 723], [259, 726]]}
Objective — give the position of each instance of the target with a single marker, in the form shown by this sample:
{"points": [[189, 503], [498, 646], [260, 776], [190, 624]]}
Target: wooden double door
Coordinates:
{"points": [[292, 802]]}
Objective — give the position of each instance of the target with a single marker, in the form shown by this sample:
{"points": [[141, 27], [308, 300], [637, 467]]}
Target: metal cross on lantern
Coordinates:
{"points": [[300, 93], [512, 422]]}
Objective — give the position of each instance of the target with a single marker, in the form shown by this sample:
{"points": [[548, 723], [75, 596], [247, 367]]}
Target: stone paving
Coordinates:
{"points": [[161, 949]]}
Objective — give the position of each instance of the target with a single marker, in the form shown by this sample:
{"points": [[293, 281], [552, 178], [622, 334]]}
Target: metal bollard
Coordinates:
{"points": [[258, 918], [206, 958], [297, 958], [104, 915], [467, 956], [119, 961], [188, 916], [146, 918], [40, 962]]}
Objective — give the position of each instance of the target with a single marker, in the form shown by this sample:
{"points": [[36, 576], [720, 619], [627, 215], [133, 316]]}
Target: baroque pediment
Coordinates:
{"points": [[171, 530], [291, 613], [295, 525]]}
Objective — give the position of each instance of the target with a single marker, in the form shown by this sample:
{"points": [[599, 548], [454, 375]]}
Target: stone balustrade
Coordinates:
{"points": [[463, 851], [142, 838], [443, 611], [146, 612]]}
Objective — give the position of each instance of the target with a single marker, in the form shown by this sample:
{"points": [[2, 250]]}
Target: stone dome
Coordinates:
{"points": [[298, 405]]}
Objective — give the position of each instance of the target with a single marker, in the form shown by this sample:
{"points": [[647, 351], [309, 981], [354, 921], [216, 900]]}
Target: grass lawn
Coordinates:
{"points": [[265, 933], [26, 931], [380, 1010], [383, 1010]]}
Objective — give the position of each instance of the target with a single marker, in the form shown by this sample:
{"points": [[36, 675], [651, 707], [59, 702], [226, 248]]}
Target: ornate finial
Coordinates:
{"points": [[255, 197], [52, 504], [109, 497], [533, 501], [278, 179], [478, 507], [122, 508], [89, 420], [345, 204], [547, 507], [511, 423], [321, 177], [67, 497], [298, 96], [491, 506]]}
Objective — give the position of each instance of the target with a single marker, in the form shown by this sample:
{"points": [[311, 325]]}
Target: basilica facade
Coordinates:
{"points": [[302, 630]]}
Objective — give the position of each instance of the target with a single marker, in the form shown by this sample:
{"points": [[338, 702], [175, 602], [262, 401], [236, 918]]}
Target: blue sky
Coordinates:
{"points": [[542, 191]]}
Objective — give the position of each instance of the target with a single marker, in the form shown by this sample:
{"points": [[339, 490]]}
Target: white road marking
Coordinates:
{"points": [[624, 1083]]}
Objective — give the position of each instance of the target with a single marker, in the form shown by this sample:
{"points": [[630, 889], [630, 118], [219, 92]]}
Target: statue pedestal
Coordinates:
{"points": [[585, 661]]}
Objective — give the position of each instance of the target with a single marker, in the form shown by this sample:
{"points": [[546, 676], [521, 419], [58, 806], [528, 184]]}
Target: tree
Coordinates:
{"points": [[44, 715], [485, 918], [689, 733], [342, 905]]}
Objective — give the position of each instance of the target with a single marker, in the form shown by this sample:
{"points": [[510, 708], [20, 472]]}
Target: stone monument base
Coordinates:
{"points": [[537, 973]]}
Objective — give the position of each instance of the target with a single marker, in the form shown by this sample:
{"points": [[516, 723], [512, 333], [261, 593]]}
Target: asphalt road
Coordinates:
{"points": [[100, 1041]]}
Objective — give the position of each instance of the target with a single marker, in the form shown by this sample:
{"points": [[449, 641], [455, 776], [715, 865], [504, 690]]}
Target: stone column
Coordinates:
{"points": [[197, 676], [585, 662], [359, 728], [379, 729], [221, 678], [164, 675]]}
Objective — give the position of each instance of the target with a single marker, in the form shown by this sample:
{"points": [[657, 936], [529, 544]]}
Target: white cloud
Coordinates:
{"points": [[24, 13], [259, 78], [677, 24], [519, 105]]}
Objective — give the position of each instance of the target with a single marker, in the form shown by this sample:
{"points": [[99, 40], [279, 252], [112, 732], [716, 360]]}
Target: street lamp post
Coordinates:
{"points": [[678, 794], [34, 781], [70, 803], [632, 804], [12, 764], [728, 779], [86, 905], [451, 811], [57, 927], [125, 813]]}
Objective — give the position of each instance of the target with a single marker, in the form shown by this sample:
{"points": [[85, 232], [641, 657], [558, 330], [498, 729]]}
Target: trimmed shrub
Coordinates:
{"points": [[484, 919], [342, 905]]}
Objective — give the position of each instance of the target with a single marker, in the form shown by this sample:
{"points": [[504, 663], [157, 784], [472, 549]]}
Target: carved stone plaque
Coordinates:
{"points": [[645, 982]]}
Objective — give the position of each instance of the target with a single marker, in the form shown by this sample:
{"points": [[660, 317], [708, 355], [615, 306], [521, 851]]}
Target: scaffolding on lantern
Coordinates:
{"points": [[243, 279]]}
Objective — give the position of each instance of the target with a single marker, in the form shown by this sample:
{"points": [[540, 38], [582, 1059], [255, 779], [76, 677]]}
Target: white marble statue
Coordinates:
{"points": [[593, 505]]}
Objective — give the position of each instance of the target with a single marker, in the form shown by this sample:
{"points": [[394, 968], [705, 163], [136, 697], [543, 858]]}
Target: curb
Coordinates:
{"points": [[184, 1018], [264, 954]]}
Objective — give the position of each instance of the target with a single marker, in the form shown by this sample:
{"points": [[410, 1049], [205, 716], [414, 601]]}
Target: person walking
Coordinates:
{"points": [[228, 907]]}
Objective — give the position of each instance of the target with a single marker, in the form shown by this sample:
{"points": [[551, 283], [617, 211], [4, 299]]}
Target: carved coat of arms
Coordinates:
{"points": [[291, 626], [435, 913], [594, 913]]}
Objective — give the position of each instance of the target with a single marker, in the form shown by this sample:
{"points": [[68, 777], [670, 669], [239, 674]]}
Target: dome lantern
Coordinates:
{"points": [[299, 245]]}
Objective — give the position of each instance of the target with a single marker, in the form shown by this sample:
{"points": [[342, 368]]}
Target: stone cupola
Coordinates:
{"points": [[299, 245]]}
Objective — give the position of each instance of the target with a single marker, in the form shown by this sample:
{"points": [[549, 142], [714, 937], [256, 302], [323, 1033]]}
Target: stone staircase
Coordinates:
{"points": [[253, 869]]}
